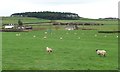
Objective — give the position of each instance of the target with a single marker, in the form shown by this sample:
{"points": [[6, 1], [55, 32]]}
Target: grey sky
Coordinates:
{"points": [[85, 8]]}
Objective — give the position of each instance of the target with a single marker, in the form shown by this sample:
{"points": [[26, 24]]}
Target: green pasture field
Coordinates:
{"points": [[76, 51], [101, 21], [7, 20], [14, 20], [108, 24]]}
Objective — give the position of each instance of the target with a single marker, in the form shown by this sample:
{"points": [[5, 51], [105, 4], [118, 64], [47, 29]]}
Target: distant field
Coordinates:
{"points": [[7, 20], [35, 22], [14, 20], [76, 51], [109, 22], [28, 53]]}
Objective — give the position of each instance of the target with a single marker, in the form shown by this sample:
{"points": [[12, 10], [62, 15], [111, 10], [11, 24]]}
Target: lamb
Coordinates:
{"points": [[49, 50], [117, 36], [45, 32], [78, 37], [34, 36], [101, 52], [61, 38], [18, 34], [95, 35], [44, 37]]}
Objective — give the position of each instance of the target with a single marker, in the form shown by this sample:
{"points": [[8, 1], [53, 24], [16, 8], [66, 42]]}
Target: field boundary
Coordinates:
{"points": [[108, 31]]}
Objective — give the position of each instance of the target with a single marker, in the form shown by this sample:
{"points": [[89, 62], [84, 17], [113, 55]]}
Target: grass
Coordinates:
{"points": [[76, 51], [7, 20], [0, 51], [28, 53], [14, 20], [108, 24]]}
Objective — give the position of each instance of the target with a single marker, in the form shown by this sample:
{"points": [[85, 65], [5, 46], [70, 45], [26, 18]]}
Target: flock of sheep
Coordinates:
{"points": [[50, 50], [62, 37], [99, 52]]}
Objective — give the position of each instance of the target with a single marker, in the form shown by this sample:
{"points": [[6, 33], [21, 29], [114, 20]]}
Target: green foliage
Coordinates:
{"points": [[48, 15], [20, 23]]}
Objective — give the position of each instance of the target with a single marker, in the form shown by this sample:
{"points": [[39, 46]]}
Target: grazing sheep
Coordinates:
{"points": [[117, 36], [61, 38], [49, 50], [34, 36], [78, 37], [44, 37], [95, 35], [101, 52], [18, 34], [45, 32]]}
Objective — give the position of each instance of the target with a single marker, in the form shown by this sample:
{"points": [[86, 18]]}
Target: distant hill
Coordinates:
{"points": [[49, 15]]}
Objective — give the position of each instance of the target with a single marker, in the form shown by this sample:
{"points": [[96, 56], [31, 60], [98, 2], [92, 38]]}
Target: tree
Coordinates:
{"points": [[49, 15], [20, 23]]}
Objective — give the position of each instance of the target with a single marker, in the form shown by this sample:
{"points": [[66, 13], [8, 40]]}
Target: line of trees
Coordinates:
{"points": [[49, 15]]}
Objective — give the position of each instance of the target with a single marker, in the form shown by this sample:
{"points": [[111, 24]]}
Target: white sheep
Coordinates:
{"points": [[44, 37], [61, 38], [34, 36], [101, 52], [18, 34], [117, 36], [78, 37], [95, 35], [45, 32], [49, 50]]}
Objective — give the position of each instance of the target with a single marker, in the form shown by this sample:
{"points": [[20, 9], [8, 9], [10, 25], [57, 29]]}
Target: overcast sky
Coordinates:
{"points": [[85, 8]]}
